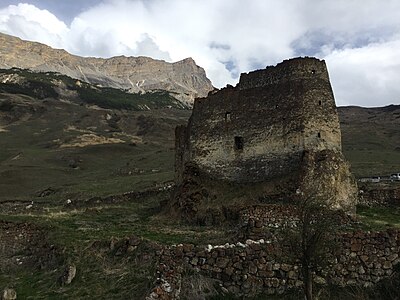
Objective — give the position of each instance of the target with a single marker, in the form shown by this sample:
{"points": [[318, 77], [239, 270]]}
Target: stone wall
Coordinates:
{"points": [[307, 67], [259, 221], [256, 267], [380, 196], [269, 220], [276, 113]]}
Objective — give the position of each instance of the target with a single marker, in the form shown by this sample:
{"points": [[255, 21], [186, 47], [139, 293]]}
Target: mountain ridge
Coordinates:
{"points": [[183, 78]]}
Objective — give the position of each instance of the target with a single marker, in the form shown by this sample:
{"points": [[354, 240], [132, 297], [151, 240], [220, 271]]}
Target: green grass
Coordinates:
{"points": [[117, 99], [100, 170], [373, 162], [370, 139], [99, 275], [32, 159], [379, 218], [101, 272]]}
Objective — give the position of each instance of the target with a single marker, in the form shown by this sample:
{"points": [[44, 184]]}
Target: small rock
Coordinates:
{"points": [[222, 262], [276, 267], [387, 265], [194, 261], [68, 275], [292, 275], [393, 257], [8, 294], [319, 280], [285, 267], [229, 271], [131, 248], [356, 247], [113, 242]]}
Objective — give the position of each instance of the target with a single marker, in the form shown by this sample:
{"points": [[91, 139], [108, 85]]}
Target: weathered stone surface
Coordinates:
{"points": [[379, 195], [274, 273], [8, 294], [278, 128], [222, 262], [356, 247], [393, 257]]}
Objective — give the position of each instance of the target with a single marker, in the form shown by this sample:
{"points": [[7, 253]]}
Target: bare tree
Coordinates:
{"points": [[313, 238]]}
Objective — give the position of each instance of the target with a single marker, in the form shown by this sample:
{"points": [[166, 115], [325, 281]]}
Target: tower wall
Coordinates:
{"points": [[276, 133], [259, 129]]}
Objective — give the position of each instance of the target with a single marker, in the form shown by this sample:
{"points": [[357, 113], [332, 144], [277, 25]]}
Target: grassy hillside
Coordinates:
{"points": [[80, 151], [371, 139], [69, 139]]}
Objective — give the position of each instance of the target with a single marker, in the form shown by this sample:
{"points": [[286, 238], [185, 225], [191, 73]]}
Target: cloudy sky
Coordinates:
{"points": [[359, 39]]}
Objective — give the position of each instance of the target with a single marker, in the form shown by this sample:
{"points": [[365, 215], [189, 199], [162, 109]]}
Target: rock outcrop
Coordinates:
{"points": [[278, 128], [184, 79]]}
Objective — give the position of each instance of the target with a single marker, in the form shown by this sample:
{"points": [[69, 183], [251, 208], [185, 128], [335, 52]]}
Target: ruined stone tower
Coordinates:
{"points": [[278, 127]]}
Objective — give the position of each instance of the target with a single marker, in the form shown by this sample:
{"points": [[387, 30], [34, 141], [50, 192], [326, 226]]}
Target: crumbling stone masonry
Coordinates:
{"points": [[255, 267], [278, 128], [380, 196]]}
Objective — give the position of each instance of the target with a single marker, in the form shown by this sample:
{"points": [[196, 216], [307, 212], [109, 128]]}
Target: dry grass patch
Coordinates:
{"points": [[91, 139]]}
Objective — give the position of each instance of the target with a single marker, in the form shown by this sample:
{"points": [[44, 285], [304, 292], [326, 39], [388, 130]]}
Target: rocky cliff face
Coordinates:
{"points": [[184, 79]]}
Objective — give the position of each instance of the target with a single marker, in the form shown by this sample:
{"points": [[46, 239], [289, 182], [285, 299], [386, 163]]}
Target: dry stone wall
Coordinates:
{"points": [[380, 196], [256, 267]]}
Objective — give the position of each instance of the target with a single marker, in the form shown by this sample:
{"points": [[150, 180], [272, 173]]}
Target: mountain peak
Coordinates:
{"points": [[188, 60]]}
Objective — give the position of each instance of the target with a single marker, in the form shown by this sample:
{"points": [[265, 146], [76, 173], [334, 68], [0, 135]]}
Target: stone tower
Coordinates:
{"points": [[278, 127]]}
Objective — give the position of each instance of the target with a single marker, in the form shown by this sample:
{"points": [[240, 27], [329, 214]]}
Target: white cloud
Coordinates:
{"points": [[30, 23], [230, 37], [367, 76]]}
